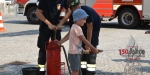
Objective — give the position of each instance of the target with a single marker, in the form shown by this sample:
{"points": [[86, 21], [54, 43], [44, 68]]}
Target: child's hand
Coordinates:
{"points": [[58, 42], [87, 48], [96, 51]]}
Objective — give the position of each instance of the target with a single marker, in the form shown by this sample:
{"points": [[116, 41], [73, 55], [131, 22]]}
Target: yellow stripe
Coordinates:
{"points": [[41, 66], [91, 65], [83, 62]]}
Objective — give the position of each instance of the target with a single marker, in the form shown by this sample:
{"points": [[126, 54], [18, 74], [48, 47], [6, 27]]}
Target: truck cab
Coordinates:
{"points": [[130, 13], [27, 8]]}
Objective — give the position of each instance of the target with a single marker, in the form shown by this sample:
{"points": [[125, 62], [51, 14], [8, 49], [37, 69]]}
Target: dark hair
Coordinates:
{"points": [[73, 3]]}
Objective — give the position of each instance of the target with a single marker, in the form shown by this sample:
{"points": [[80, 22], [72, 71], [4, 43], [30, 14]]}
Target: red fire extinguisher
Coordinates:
{"points": [[53, 57]]}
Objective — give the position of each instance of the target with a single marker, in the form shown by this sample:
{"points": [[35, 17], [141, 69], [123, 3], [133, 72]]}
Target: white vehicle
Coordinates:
{"points": [[28, 8]]}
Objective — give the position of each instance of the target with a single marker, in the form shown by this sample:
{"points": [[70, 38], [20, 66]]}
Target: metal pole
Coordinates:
{"points": [[8, 8], [3, 7], [0, 7]]}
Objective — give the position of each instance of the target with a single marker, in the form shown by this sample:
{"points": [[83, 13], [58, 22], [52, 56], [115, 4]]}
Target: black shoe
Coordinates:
{"points": [[83, 71], [90, 73], [41, 72]]}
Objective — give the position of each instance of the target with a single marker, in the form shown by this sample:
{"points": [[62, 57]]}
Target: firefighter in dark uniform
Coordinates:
{"points": [[48, 11], [91, 31]]}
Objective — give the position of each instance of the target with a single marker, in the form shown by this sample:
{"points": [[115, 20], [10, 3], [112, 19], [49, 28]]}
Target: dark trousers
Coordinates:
{"points": [[90, 58], [42, 39]]}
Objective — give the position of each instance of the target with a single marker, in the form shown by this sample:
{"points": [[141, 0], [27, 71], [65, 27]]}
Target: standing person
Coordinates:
{"points": [[76, 38], [48, 11], [91, 31]]}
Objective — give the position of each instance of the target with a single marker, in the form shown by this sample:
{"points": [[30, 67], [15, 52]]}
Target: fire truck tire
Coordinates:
{"points": [[128, 18], [31, 16]]}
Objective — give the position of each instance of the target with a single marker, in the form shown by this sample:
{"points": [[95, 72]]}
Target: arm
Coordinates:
{"points": [[89, 31], [65, 38], [87, 42], [42, 18], [64, 19], [68, 12]]}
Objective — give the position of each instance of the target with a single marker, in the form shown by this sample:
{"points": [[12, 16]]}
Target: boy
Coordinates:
{"points": [[91, 31], [76, 38]]}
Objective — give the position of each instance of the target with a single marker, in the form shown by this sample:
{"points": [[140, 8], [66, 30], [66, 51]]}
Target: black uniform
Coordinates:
{"points": [[51, 11], [90, 59]]}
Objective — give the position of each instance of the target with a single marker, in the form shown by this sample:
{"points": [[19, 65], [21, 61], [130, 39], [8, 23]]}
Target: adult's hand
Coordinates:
{"points": [[52, 27]]}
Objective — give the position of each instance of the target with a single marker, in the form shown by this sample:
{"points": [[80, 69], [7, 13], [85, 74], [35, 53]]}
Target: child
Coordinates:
{"points": [[91, 31], [76, 38]]}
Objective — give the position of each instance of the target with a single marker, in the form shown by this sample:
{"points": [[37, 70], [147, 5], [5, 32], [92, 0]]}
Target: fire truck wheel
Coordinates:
{"points": [[128, 18], [31, 16]]}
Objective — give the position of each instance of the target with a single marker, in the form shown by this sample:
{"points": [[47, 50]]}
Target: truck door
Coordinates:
{"points": [[103, 7], [146, 9]]}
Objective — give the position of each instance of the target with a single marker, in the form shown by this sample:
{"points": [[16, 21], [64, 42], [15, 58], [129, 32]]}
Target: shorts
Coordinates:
{"points": [[74, 60]]}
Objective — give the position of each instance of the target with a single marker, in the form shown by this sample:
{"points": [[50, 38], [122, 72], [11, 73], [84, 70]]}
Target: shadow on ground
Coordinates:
{"points": [[24, 22], [116, 25], [12, 34], [14, 68], [18, 22], [28, 32], [111, 25], [66, 26], [99, 72]]}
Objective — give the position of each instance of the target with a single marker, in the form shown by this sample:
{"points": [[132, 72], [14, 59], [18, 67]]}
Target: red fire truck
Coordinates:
{"points": [[130, 13]]}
